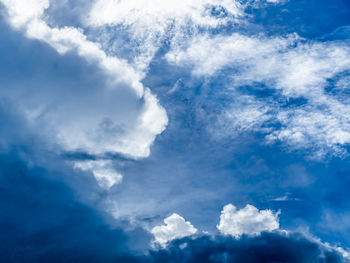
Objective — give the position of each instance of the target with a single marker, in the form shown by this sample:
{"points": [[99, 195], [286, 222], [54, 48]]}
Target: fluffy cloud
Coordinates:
{"points": [[162, 20], [248, 220], [175, 227], [161, 13], [96, 133]]}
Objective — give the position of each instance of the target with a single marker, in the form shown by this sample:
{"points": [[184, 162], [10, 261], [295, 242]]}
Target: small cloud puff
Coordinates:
{"points": [[79, 130], [248, 220], [175, 227]]}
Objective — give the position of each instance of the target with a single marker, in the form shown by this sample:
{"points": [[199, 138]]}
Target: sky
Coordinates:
{"points": [[153, 131]]}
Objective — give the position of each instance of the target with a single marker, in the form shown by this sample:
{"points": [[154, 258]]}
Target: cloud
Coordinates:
{"points": [[244, 113], [175, 227], [100, 131], [118, 115], [103, 171], [293, 69], [248, 220], [42, 218]]}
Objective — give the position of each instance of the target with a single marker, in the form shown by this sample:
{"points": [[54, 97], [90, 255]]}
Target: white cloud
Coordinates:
{"points": [[102, 170], [294, 68], [175, 227], [87, 132], [157, 15], [325, 129], [284, 63], [234, 50], [149, 22], [244, 114], [22, 12], [248, 220]]}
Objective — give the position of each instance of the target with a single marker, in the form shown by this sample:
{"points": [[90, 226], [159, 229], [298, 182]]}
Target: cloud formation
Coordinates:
{"points": [[86, 110], [265, 248], [175, 227], [162, 20], [246, 221], [44, 221]]}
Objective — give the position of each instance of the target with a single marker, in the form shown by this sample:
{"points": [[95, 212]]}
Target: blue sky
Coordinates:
{"points": [[174, 131]]}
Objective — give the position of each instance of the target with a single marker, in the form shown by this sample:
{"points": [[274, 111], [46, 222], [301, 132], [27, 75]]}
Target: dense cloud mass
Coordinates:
{"points": [[266, 248], [41, 221], [41, 218]]}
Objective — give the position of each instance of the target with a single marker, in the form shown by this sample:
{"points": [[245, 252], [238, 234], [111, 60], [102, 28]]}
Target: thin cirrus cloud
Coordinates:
{"points": [[168, 21], [152, 118], [293, 68]]}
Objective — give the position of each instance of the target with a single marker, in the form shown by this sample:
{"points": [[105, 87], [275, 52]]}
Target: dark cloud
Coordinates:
{"points": [[41, 220], [268, 247]]}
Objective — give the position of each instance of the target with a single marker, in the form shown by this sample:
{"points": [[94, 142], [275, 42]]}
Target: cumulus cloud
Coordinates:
{"points": [[248, 220], [42, 218], [89, 132], [120, 116], [175, 227]]}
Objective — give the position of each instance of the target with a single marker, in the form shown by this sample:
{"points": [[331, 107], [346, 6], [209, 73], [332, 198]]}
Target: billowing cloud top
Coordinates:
{"points": [[248, 220], [175, 227]]}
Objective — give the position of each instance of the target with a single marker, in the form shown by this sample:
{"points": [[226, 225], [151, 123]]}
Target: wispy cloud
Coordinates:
{"points": [[294, 68]]}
